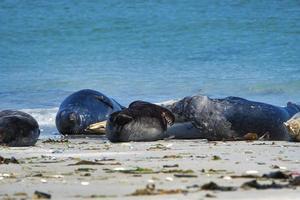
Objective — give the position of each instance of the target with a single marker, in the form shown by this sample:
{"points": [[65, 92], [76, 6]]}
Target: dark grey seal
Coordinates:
{"points": [[83, 108], [230, 118], [141, 121], [18, 128]]}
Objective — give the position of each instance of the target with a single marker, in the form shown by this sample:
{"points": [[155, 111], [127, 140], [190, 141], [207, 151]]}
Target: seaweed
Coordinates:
{"points": [[138, 170], [87, 162], [251, 136], [216, 157], [151, 190], [172, 156], [258, 186], [214, 186], [185, 175], [158, 147], [277, 175], [53, 141], [295, 181], [170, 166], [181, 171], [12, 160], [85, 170], [41, 195]]}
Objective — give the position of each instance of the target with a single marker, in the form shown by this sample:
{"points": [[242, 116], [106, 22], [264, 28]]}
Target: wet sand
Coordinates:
{"points": [[93, 168]]}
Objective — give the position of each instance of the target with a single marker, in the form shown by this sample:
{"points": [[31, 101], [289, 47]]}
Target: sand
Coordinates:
{"points": [[172, 169]]}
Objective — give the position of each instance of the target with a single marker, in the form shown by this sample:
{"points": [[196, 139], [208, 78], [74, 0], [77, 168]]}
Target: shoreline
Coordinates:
{"points": [[93, 168]]}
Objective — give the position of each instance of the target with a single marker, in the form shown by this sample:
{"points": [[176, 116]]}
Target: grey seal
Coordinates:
{"points": [[18, 128], [141, 121], [83, 108], [229, 118]]}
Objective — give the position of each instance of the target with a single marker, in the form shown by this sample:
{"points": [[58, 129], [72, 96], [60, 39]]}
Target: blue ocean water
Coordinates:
{"points": [[150, 50]]}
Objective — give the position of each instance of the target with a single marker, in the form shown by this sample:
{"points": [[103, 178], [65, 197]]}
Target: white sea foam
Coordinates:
{"points": [[44, 116], [46, 119]]}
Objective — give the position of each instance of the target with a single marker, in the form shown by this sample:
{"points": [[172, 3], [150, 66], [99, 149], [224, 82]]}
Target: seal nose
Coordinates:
{"points": [[72, 117], [68, 122]]}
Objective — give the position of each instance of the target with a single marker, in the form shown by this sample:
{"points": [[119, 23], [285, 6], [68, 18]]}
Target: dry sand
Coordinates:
{"points": [[176, 168]]}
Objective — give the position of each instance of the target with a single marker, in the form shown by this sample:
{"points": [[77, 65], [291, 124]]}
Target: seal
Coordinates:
{"points": [[18, 128], [83, 108], [230, 118], [141, 121], [293, 127]]}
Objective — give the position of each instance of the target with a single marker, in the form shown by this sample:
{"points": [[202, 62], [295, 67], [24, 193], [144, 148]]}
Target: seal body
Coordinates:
{"points": [[83, 108], [293, 127], [229, 119], [141, 121], [18, 128]]}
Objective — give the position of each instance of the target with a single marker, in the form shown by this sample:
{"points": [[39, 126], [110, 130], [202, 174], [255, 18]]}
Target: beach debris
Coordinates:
{"points": [[12, 160], [129, 145], [295, 181], [185, 175], [251, 172], [95, 196], [172, 156], [159, 147], [265, 136], [137, 170], [55, 141], [275, 167], [85, 170], [170, 166], [6, 175], [168, 178], [271, 175], [21, 194], [226, 177], [57, 176], [214, 171], [208, 195], [88, 162], [141, 170], [248, 152], [57, 151], [150, 181], [84, 183], [277, 175], [214, 186], [41, 195], [216, 157], [43, 180], [151, 190], [244, 176], [251, 136], [179, 171], [258, 186], [282, 168], [104, 159]]}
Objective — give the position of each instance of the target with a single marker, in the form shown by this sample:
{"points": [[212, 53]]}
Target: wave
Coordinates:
{"points": [[46, 120]]}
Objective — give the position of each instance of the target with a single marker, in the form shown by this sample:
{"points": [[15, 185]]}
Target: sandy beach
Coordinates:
{"points": [[93, 168]]}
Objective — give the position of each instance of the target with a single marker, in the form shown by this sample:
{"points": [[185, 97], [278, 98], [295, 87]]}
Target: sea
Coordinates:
{"points": [[152, 50]]}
